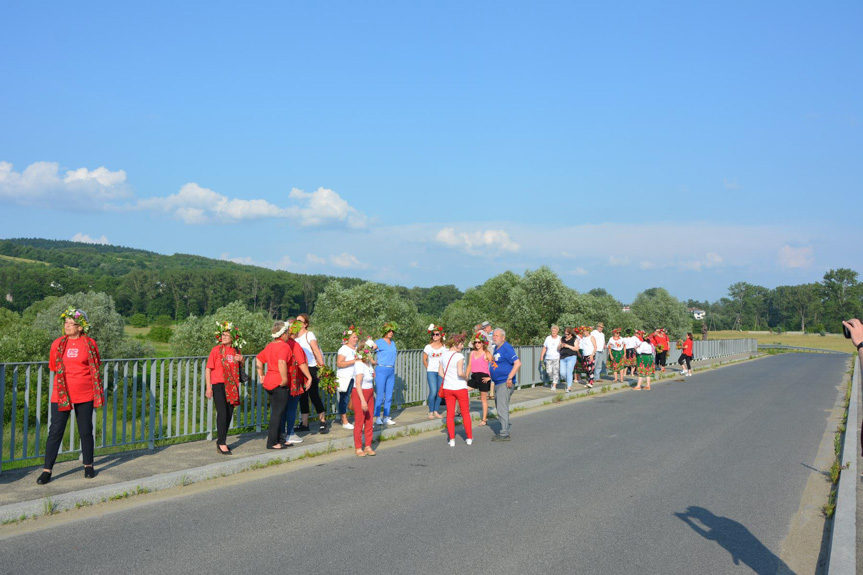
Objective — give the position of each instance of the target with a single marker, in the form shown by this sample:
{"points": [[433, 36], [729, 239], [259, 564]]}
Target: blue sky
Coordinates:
{"points": [[625, 145]]}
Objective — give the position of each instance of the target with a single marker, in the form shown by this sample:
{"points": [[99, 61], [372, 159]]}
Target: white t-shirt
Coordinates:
{"points": [[552, 345], [616, 344], [305, 342], [631, 342], [600, 339], [368, 375], [345, 374], [451, 378], [645, 347], [434, 356], [586, 346]]}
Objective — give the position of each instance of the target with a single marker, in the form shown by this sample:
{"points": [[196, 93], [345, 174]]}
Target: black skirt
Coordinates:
{"points": [[476, 382]]}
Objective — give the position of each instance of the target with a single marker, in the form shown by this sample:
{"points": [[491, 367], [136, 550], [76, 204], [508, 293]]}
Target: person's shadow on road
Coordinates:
{"points": [[734, 538]]}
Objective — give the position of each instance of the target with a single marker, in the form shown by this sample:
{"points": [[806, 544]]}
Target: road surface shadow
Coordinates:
{"points": [[736, 539]]}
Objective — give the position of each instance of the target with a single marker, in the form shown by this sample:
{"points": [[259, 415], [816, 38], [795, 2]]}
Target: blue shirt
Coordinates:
{"points": [[505, 358], [386, 352]]}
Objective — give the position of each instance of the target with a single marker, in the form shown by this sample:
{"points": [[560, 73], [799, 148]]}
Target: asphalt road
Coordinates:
{"points": [[699, 476]]}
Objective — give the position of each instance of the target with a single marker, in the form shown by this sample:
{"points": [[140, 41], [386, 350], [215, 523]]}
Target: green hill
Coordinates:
{"points": [[178, 285]]}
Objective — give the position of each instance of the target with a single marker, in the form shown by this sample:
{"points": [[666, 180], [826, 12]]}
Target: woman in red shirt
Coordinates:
{"points": [[77, 385], [686, 355], [223, 379], [275, 356]]}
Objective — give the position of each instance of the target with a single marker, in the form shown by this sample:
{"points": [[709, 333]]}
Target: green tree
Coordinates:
{"points": [[106, 324], [20, 341], [841, 294], [655, 307], [195, 336]]}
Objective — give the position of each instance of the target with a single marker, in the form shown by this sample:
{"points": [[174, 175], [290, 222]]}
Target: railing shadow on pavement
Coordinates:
{"points": [[736, 539]]}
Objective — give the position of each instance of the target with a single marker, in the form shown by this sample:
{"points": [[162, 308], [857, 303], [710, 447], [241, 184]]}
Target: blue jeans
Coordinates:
{"points": [[344, 398], [567, 366], [434, 400], [600, 364], [290, 415], [385, 379]]}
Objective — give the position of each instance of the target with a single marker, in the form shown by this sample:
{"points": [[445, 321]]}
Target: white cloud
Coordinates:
{"points": [[646, 265], [313, 259], [324, 206], [791, 257], [347, 261], [85, 239], [283, 264], [710, 260], [578, 272], [615, 261], [194, 204], [488, 241], [40, 183]]}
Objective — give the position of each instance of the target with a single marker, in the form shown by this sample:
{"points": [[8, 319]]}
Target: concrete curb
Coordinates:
{"points": [[843, 537], [85, 497]]}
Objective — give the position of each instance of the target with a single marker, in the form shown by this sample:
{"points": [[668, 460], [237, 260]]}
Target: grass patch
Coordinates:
{"points": [[557, 398], [831, 341], [49, 506], [14, 520], [830, 507]]}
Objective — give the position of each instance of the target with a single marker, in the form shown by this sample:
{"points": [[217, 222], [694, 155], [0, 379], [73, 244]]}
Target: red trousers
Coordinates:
{"points": [[451, 396], [364, 422]]}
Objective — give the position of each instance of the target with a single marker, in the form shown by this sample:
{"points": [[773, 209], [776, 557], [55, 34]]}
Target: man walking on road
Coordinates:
{"points": [[503, 370], [600, 350]]}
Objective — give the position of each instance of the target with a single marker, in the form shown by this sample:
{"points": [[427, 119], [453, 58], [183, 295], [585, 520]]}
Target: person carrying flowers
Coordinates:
{"points": [[222, 377], [75, 361], [363, 392]]}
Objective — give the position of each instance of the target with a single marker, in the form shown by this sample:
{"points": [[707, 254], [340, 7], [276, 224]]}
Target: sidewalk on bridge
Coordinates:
{"points": [[132, 472]]}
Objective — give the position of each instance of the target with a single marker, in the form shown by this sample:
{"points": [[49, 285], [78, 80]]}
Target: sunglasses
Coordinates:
{"points": [[436, 334]]}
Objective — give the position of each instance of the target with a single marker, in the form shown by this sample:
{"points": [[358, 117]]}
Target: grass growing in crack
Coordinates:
{"points": [[604, 389], [829, 507], [185, 480], [83, 503], [14, 520], [49, 506], [557, 398], [139, 490], [119, 496], [519, 408]]}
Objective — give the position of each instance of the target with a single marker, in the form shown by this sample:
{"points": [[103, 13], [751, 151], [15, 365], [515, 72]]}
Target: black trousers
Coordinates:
{"points": [[314, 393], [278, 403], [224, 412], [660, 358], [687, 359], [59, 419]]}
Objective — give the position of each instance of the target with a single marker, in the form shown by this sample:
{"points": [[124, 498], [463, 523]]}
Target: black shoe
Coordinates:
{"points": [[500, 438], [89, 472], [301, 428], [219, 449], [324, 428], [44, 478]]}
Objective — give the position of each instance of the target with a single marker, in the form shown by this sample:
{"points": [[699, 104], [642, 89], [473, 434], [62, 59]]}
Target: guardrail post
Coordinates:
{"points": [[152, 432]]}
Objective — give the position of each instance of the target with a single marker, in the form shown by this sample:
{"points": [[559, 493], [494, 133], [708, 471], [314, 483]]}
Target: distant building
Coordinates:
{"points": [[626, 308], [697, 313]]}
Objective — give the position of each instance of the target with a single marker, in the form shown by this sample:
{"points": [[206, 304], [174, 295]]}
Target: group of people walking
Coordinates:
{"points": [[288, 369], [583, 352]]}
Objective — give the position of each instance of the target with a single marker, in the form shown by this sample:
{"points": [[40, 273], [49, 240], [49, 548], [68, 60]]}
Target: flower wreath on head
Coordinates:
{"points": [[364, 353], [390, 326], [79, 316], [237, 340], [433, 328], [346, 335], [478, 337], [295, 327]]}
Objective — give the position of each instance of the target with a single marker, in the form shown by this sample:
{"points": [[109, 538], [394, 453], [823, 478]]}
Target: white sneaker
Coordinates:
{"points": [[379, 421], [451, 442], [295, 439], [348, 425], [469, 441], [390, 421]]}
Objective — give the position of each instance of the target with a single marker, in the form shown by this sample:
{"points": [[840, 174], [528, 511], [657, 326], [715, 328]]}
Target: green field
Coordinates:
{"points": [[835, 342], [162, 349]]}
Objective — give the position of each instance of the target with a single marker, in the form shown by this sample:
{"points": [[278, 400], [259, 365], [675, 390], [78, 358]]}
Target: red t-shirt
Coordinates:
{"points": [[214, 363], [76, 362], [299, 353], [687, 347], [271, 355]]}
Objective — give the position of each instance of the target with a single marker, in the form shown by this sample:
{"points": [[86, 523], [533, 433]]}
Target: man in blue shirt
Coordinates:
{"points": [[385, 374], [503, 370]]}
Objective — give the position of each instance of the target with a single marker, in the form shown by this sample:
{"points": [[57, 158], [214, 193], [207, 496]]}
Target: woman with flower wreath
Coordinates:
{"points": [[345, 360], [479, 363], [645, 366], [587, 347], [630, 343], [617, 357], [222, 377], [314, 358], [385, 373], [455, 389], [75, 361], [363, 399], [431, 358], [275, 357]]}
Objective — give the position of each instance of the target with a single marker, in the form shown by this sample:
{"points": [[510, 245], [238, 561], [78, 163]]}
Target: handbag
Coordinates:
{"points": [[243, 376], [440, 390]]}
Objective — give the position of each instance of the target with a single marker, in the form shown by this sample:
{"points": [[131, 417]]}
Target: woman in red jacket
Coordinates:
{"points": [[275, 357], [223, 379], [76, 364]]}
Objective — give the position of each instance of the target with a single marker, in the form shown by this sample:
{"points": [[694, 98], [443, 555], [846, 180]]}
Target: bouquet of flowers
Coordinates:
{"points": [[327, 379]]}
